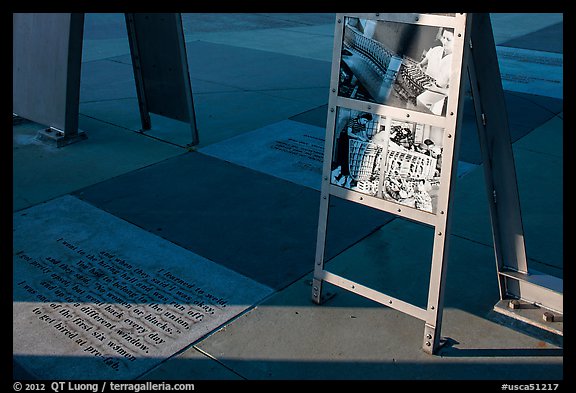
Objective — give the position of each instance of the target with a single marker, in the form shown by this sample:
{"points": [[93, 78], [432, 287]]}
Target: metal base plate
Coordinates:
{"points": [[55, 137], [532, 314]]}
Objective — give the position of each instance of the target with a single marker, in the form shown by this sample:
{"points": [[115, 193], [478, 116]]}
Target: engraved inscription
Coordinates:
{"points": [[111, 308]]}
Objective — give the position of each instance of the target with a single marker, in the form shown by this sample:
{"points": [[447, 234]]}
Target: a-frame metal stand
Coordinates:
{"points": [[473, 51]]}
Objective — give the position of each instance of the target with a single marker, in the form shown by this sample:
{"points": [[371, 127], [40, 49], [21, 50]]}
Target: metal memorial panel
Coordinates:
{"points": [[393, 109], [389, 158], [395, 112], [47, 55], [396, 64], [392, 135], [161, 67]]}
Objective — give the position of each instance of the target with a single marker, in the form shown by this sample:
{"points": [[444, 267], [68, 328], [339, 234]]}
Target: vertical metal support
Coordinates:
{"points": [[323, 216], [160, 68], [137, 68], [47, 60], [320, 247], [317, 296], [496, 147], [435, 308], [515, 280], [440, 252], [189, 99], [74, 65], [435, 311]]}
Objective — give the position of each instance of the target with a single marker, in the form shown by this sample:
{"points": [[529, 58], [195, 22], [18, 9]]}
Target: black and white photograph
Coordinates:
{"points": [[392, 159], [396, 64]]}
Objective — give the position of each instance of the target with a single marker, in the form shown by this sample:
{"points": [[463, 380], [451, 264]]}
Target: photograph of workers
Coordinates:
{"points": [[402, 65], [387, 158]]}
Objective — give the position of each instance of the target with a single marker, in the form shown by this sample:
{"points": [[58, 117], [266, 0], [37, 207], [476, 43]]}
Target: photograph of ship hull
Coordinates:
{"points": [[396, 64], [387, 158]]}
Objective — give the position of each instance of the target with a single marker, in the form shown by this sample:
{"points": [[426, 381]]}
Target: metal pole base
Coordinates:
{"points": [[318, 295], [55, 137]]}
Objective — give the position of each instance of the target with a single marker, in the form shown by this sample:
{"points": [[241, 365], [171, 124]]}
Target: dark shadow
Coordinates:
{"points": [[202, 367], [449, 349], [489, 352], [547, 39]]}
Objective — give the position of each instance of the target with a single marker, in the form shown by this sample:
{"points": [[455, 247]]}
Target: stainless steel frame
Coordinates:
{"points": [[432, 314], [515, 281]]}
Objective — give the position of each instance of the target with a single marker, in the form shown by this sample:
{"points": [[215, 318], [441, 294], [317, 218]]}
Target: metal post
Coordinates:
{"points": [[137, 68], [161, 68], [522, 291]]}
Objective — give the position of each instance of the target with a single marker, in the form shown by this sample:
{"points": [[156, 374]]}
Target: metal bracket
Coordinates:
{"points": [[55, 137], [428, 343], [532, 314], [319, 296]]}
